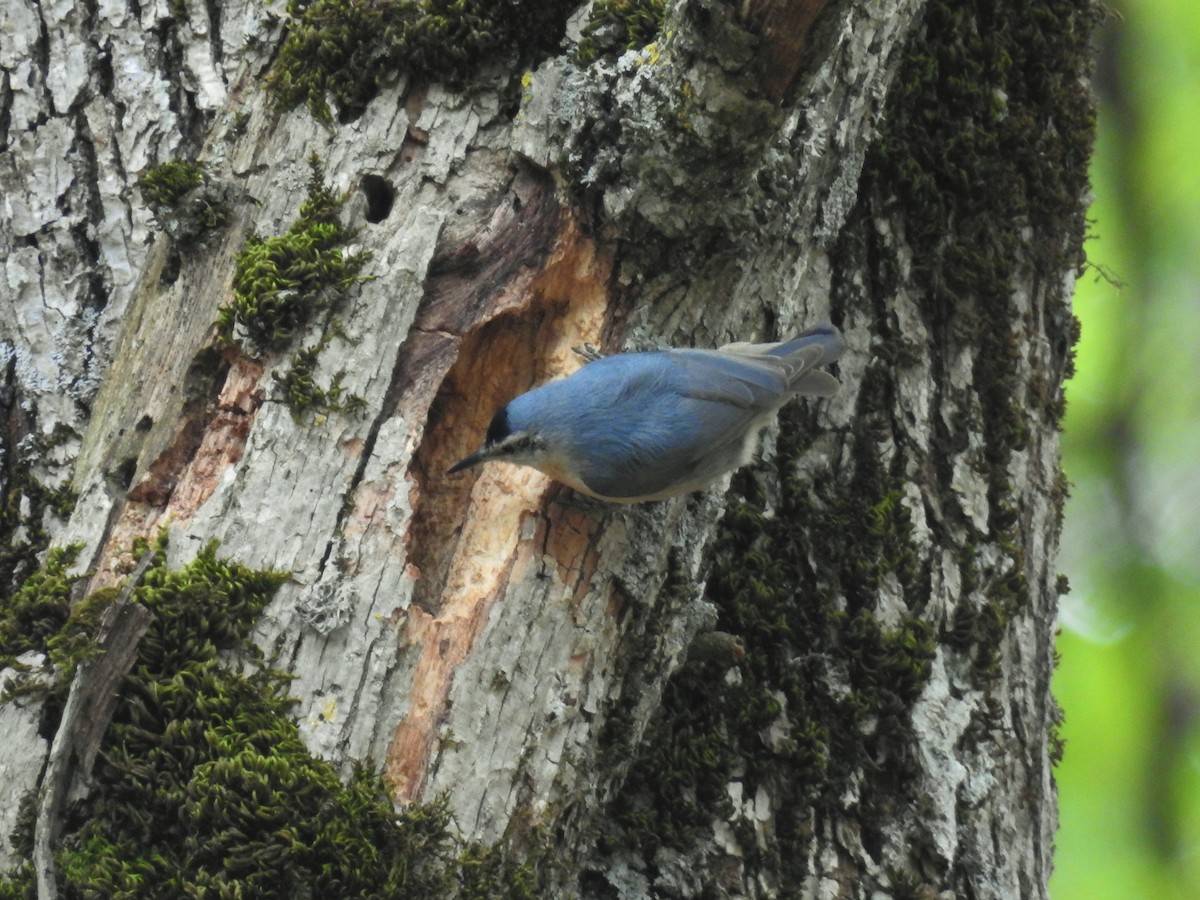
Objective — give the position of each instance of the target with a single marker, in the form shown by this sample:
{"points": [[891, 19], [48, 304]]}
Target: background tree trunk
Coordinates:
{"points": [[832, 679]]}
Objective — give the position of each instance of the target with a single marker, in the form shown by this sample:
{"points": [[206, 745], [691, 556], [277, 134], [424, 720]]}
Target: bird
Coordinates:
{"points": [[649, 425]]}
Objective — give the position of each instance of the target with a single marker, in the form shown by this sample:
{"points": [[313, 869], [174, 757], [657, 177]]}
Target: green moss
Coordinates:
{"points": [[166, 185], [484, 873], [28, 503], [984, 155], [185, 202], [40, 608], [204, 787], [282, 284], [304, 395], [618, 25], [344, 49]]}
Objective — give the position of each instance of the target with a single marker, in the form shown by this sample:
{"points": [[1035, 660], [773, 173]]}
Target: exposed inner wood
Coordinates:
{"points": [[466, 529]]}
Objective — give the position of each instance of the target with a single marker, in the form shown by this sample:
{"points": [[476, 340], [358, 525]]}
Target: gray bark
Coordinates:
{"points": [[489, 639]]}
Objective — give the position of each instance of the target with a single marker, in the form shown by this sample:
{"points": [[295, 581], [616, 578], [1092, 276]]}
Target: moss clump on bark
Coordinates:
{"points": [[40, 609], [304, 395], [344, 49], [204, 787], [618, 25], [166, 184], [185, 201], [282, 284], [29, 503]]}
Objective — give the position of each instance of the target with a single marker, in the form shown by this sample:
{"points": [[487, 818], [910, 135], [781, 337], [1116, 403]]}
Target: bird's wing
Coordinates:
{"points": [[680, 420], [683, 415], [752, 379]]}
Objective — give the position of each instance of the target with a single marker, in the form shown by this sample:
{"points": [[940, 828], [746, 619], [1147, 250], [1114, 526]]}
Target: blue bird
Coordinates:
{"points": [[656, 424]]}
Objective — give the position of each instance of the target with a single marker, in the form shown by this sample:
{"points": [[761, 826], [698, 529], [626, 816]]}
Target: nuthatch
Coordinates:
{"points": [[650, 425]]}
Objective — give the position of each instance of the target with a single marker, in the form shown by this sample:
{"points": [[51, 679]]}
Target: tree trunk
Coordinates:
{"points": [[830, 679]]}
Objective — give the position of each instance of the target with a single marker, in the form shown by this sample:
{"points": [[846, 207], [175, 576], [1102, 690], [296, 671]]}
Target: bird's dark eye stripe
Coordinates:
{"points": [[498, 430], [519, 445]]}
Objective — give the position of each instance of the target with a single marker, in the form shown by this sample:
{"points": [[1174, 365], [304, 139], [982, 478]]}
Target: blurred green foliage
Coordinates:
{"points": [[1129, 680]]}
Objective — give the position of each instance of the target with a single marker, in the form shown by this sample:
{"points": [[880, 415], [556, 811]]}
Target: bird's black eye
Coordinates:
{"points": [[499, 429]]}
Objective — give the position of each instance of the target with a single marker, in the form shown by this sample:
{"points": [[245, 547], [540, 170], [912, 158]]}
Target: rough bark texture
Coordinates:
{"points": [[873, 712]]}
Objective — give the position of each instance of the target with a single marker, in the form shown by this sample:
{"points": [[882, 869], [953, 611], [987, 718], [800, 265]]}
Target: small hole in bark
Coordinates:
{"points": [[171, 266], [125, 473], [145, 423], [380, 197]]}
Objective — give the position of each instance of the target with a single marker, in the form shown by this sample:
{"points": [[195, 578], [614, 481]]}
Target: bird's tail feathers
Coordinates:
{"points": [[824, 335], [803, 356], [817, 383]]}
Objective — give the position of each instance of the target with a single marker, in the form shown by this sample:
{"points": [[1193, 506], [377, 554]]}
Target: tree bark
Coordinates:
{"points": [[869, 707]]}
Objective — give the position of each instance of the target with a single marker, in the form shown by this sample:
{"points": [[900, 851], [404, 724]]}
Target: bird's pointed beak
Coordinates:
{"points": [[467, 462]]}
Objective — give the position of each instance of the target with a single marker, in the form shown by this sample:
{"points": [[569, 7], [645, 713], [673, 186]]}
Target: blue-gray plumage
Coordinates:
{"points": [[644, 426]]}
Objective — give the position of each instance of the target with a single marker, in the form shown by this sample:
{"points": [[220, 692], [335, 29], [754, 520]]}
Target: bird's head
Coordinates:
{"points": [[509, 439]]}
